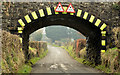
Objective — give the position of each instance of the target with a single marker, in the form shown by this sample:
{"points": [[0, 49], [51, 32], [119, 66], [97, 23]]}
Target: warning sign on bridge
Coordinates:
{"points": [[70, 9], [59, 8]]}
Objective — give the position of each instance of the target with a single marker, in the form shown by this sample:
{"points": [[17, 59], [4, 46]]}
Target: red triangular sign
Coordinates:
{"points": [[70, 9], [59, 8]]}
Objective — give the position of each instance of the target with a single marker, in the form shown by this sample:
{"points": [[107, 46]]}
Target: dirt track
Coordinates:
{"points": [[58, 61]]}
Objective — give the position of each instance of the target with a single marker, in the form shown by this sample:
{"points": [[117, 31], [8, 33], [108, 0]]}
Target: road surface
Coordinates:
{"points": [[58, 61]]}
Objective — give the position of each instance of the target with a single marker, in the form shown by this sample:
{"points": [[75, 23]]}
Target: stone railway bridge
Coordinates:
{"points": [[95, 20]]}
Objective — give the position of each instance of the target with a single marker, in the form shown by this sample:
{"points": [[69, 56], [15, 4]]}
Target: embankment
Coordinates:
{"points": [[110, 60]]}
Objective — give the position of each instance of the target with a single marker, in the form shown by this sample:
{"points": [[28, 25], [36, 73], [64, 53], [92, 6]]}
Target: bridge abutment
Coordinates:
{"points": [[93, 49], [25, 46]]}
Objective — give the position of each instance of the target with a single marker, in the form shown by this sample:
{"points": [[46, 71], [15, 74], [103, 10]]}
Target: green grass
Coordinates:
{"points": [[80, 60], [35, 59], [53, 45], [85, 62], [114, 48], [72, 54], [117, 73], [109, 56], [103, 68], [49, 43], [69, 50], [27, 67]]}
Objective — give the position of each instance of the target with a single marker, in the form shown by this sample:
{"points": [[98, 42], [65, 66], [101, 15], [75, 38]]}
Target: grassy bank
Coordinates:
{"points": [[13, 57], [109, 63], [12, 54], [26, 68], [70, 51], [37, 51]]}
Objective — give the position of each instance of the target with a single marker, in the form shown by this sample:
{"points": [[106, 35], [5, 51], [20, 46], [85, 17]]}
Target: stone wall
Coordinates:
{"points": [[103, 10]]}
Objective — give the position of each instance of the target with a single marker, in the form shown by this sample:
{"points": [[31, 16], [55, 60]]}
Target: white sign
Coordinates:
{"points": [[59, 8], [70, 9]]}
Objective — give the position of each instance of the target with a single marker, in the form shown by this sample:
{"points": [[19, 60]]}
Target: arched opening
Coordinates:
{"points": [[92, 32]]}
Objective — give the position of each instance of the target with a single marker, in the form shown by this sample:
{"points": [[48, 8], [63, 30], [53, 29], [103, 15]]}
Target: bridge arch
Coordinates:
{"points": [[89, 25]]}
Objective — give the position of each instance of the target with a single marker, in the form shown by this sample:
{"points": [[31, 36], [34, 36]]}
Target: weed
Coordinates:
{"points": [[25, 69]]}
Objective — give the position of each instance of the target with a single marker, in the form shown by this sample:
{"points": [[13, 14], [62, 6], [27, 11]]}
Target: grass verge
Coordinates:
{"points": [[70, 51], [26, 68], [53, 45], [101, 67]]}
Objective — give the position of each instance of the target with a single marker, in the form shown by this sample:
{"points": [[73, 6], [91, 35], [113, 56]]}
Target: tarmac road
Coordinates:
{"points": [[58, 61]]}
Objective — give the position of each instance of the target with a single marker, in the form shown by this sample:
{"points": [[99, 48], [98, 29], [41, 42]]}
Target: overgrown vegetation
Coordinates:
{"points": [[13, 60], [35, 59], [26, 68], [12, 55], [37, 52], [72, 53], [110, 62]]}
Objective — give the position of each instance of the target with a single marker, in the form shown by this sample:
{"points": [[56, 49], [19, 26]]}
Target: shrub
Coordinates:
{"points": [[12, 56], [37, 48], [79, 44]]}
